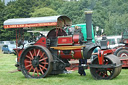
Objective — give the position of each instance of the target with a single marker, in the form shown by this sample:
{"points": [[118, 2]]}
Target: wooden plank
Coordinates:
{"points": [[67, 47]]}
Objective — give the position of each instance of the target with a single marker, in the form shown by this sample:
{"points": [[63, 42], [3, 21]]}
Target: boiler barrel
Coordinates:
{"points": [[71, 54]]}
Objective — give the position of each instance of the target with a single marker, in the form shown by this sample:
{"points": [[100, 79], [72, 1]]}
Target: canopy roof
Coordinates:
{"points": [[59, 21]]}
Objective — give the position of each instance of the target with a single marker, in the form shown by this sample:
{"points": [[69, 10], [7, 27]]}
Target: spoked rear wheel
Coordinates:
{"points": [[106, 73], [35, 62]]}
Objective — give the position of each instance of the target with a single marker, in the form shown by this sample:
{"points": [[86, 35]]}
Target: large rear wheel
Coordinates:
{"points": [[35, 62], [106, 73], [122, 53]]}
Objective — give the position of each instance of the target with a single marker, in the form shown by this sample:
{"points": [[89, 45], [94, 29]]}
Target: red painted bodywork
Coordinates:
{"points": [[124, 61], [41, 42], [76, 39], [31, 25], [74, 54], [65, 40], [18, 52], [101, 54]]}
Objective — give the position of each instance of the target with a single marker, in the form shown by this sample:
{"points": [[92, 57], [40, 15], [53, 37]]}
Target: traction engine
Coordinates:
{"points": [[51, 54], [122, 51]]}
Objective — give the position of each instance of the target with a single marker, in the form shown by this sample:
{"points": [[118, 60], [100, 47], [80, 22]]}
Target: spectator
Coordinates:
{"points": [[82, 64]]}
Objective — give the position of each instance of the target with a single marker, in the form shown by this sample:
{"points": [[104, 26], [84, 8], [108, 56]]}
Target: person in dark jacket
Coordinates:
{"points": [[82, 64]]}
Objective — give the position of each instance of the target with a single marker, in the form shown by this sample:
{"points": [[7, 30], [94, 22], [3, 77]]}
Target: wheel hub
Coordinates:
{"points": [[35, 62]]}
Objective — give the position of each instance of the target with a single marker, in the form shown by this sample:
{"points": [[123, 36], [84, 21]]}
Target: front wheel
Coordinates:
{"points": [[35, 62], [106, 73]]}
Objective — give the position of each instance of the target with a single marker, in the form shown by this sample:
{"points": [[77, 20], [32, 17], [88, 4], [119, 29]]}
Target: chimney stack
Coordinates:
{"points": [[88, 16]]}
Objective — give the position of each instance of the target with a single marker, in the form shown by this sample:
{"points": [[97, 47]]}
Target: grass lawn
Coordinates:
{"points": [[7, 62]]}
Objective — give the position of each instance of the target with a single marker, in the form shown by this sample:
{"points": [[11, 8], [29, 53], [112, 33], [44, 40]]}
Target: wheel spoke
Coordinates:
{"points": [[31, 54], [41, 70], [99, 73], [37, 71], [43, 67], [29, 57], [28, 61], [38, 52], [30, 69], [110, 72], [96, 71], [103, 75], [43, 59], [28, 65], [42, 55], [44, 62], [106, 73], [35, 52], [106, 63], [34, 71]]}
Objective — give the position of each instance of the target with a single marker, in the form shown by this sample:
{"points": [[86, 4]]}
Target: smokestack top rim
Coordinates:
{"points": [[88, 12]]}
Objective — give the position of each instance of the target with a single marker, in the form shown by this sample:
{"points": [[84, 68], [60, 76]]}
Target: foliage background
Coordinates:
{"points": [[110, 15]]}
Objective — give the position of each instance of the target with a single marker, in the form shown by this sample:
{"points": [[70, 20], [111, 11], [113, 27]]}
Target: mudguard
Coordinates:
{"points": [[88, 49]]}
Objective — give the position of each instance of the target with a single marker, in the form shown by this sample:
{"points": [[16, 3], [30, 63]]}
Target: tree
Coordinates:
{"points": [[21, 8], [72, 10], [110, 15], [40, 12], [2, 6], [16, 9]]}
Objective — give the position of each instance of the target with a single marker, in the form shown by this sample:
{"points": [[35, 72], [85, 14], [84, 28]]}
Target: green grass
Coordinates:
{"points": [[7, 62]]}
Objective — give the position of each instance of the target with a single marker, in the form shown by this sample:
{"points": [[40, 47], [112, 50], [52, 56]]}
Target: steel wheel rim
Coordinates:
{"points": [[35, 62], [123, 55]]}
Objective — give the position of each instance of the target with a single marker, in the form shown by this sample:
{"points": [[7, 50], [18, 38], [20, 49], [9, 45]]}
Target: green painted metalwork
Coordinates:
{"points": [[83, 30]]}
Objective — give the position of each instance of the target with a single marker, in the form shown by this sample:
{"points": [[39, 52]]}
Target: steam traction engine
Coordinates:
{"points": [[50, 54], [122, 51]]}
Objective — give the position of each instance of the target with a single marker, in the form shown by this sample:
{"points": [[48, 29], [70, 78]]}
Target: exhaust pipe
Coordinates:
{"points": [[88, 16]]}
